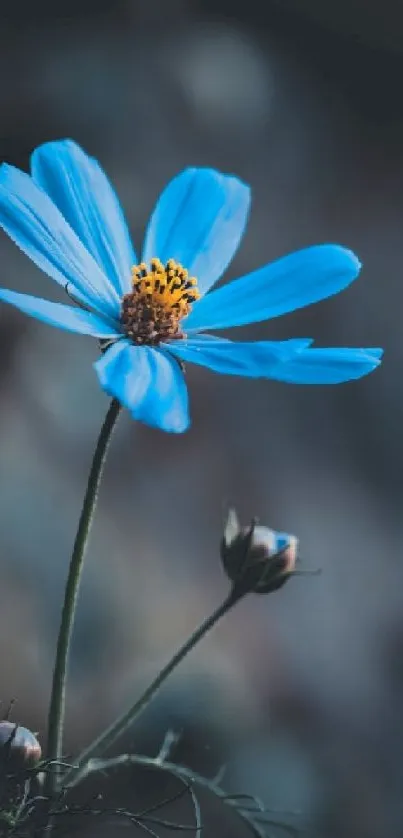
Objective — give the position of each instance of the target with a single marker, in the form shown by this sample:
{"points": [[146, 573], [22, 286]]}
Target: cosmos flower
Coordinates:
{"points": [[152, 316]]}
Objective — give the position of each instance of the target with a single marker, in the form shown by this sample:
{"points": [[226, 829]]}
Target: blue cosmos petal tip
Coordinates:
{"points": [[148, 382], [254, 359], [69, 318], [328, 365], [292, 282], [79, 188], [35, 224]]}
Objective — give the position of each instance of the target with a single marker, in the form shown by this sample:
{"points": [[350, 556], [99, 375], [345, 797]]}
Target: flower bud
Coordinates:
{"points": [[19, 748], [257, 558]]}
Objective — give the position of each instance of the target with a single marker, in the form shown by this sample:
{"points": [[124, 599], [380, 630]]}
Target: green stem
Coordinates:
{"points": [[109, 736], [57, 701]]}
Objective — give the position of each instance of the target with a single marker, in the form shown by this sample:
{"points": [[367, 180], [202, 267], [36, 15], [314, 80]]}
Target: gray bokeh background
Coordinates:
{"points": [[306, 106]]}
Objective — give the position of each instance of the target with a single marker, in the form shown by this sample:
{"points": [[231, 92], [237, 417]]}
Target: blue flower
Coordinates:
{"points": [[152, 316]]}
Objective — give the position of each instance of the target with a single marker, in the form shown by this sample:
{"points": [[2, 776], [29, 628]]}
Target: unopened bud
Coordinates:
{"points": [[19, 748], [257, 558]]}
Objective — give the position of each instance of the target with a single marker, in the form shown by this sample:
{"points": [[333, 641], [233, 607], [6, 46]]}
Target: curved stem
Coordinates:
{"points": [[187, 775], [57, 701], [117, 728]]}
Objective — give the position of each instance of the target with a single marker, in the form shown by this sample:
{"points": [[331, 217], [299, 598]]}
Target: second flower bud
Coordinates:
{"points": [[255, 558]]}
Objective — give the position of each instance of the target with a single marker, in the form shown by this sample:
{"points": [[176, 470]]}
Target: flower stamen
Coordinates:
{"points": [[162, 295]]}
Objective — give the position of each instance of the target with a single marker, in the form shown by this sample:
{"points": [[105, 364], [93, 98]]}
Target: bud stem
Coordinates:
{"points": [[123, 722], [58, 695]]}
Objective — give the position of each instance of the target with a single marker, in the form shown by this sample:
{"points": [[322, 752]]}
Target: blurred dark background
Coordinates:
{"points": [[303, 100]]}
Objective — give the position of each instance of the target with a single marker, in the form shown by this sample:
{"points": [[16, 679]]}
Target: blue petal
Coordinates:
{"points": [[148, 382], [55, 314], [80, 189], [292, 282], [254, 359], [199, 220], [35, 224], [328, 366], [282, 540]]}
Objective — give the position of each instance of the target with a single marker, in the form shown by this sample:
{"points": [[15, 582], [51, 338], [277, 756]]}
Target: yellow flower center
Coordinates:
{"points": [[162, 295]]}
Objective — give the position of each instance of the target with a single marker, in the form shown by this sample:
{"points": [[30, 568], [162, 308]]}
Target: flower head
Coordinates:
{"points": [[152, 313], [19, 748], [161, 297], [256, 558]]}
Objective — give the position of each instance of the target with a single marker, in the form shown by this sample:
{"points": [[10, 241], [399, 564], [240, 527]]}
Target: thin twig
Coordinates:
{"points": [[166, 802], [170, 740], [254, 819]]}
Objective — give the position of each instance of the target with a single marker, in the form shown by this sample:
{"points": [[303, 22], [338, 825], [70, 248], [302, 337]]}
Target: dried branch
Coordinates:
{"points": [[255, 817]]}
